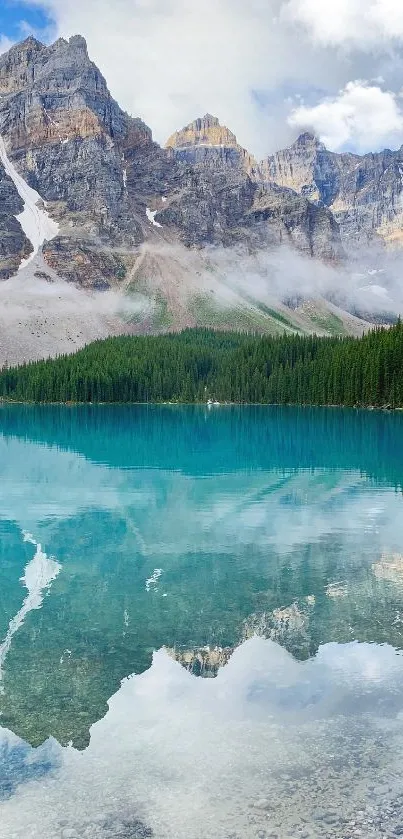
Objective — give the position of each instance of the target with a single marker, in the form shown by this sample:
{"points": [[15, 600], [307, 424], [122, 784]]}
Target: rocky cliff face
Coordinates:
{"points": [[206, 142], [110, 187], [144, 219], [294, 220], [90, 161], [364, 193], [67, 136], [14, 245], [227, 180]]}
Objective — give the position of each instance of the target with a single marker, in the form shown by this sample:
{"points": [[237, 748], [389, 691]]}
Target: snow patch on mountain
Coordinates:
{"points": [[151, 217], [35, 221]]}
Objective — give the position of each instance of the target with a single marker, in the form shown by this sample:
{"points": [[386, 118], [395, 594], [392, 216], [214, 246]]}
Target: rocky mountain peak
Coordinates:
{"points": [[78, 43], [55, 94], [205, 141], [364, 193], [110, 189], [293, 167], [16, 65], [206, 122], [307, 140], [37, 66], [204, 131], [29, 43], [72, 143]]}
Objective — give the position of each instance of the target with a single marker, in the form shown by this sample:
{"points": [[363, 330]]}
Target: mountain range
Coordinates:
{"points": [[103, 230]]}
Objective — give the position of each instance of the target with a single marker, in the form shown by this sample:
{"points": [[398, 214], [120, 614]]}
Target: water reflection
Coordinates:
{"points": [[187, 529], [271, 747]]}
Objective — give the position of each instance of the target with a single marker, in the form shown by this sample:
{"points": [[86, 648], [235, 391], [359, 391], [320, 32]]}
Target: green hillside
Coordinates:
{"points": [[200, 364]]}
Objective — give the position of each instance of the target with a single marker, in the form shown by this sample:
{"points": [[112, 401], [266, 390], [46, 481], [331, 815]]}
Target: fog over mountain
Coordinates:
{"points": [[104, 230]]}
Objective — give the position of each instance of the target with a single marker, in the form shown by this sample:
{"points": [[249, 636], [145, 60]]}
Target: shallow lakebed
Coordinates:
{"points": [[201, 622]]}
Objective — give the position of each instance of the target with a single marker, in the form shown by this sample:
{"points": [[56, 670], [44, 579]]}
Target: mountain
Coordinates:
{"points": [[68, 138], [205, 141], [14, 245], [98, 170], [178, 236], [364, 193]]}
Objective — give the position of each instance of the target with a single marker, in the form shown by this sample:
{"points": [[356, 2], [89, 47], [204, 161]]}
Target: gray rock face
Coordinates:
{"points": [[210, 206], [14, 245], [296, 221], [98, 169], [67, 136], [208, 143], [99, 268], [224, 199], [9, 197], [364, 193]]}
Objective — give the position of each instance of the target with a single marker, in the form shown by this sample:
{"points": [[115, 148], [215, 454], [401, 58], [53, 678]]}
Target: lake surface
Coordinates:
{"points": [[201, 623]]}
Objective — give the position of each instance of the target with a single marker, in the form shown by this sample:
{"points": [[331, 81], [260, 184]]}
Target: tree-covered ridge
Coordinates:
{"points": [[197, 365]]}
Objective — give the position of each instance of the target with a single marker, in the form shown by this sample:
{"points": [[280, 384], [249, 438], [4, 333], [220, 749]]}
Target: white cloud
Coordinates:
{"points": [[349, 22], [266, 718], [362, 116], [170, 61], [5, 43]]}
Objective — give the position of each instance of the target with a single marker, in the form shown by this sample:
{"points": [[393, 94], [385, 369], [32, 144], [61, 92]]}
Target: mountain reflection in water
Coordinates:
{"points": [[270, 747], [126, 530]]}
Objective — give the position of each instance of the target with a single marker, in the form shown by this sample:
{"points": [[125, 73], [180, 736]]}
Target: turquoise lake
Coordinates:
{"points": [[201, 623]]}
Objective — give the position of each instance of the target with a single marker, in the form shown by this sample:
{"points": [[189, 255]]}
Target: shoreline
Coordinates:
{"points": [[209, 405]]}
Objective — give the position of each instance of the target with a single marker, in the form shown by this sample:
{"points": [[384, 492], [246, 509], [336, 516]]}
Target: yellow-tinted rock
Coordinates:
{"points": [[193, 143], [204, 131]]}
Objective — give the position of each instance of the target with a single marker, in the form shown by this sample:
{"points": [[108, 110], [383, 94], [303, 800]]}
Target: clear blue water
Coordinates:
{"points": [[143, 546]]}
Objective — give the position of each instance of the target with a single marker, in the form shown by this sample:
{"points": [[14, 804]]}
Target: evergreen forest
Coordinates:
{"points": [[198, 365]]}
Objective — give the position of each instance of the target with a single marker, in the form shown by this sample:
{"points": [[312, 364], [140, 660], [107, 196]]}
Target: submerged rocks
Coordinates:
{"points": [[390, 568], [109, 827]]}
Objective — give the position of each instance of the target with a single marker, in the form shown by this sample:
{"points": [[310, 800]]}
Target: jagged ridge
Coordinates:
{"points": [[123, 203], [364, 193], [99, 170]]}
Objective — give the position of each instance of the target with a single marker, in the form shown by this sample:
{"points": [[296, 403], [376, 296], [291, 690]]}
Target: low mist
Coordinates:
{"points": [[370, 286], [42, 317]]}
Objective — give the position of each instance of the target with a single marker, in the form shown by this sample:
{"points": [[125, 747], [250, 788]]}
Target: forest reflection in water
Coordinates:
{"points": [[190, 531]]}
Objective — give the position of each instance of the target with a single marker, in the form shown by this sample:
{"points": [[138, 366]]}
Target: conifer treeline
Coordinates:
{"points": [[197, 365]]}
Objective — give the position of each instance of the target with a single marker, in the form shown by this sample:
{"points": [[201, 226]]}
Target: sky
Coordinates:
{"points": [[268, 69]]}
